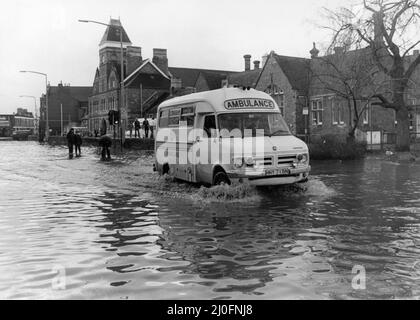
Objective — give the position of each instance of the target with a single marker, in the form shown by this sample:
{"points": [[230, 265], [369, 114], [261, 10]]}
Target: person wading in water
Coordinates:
{"points": [[105, 142], [71, 140], [78, 143]]}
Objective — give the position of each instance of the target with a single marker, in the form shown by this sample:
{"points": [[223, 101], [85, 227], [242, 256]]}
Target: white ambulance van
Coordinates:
{"points": [[228, 135]]}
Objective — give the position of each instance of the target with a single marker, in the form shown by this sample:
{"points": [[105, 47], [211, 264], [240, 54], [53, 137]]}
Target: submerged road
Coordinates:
{"points": [[83, 228]]}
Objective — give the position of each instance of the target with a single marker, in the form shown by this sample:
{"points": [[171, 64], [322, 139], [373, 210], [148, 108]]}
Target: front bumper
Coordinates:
{"points": [[258, 177]]}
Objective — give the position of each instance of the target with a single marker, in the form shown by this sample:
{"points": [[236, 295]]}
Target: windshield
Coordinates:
{"points": [[271, 124]]}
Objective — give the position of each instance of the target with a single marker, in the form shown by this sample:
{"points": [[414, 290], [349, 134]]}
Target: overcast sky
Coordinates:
{"points": [[45, 36]]}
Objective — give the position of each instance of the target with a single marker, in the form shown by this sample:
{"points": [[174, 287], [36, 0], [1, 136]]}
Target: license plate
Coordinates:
{"points": [[277, 172]]}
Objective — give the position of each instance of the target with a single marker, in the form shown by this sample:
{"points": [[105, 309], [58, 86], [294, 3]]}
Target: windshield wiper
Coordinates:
{"points": [[284, 132]]}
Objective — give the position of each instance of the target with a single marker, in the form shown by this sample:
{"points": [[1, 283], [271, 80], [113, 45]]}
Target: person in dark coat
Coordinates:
{"points": [[146, 127], [71, 140], [105, 142], [136, 128], [78, 143], [130, 128]]}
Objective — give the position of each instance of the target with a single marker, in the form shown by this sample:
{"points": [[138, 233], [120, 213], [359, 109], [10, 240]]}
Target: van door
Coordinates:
{"points": [[208, 145], [186, 142]]}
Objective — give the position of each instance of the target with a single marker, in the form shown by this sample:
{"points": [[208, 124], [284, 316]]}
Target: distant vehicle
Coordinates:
{"points": [[21, 134], [213, 124]]}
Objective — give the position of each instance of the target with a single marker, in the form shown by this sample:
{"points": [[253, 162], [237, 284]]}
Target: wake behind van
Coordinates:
{"points": [[228, 135]]}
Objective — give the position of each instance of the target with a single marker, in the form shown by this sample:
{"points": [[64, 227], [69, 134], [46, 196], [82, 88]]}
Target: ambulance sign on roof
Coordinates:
{"points": [[249, 103]]}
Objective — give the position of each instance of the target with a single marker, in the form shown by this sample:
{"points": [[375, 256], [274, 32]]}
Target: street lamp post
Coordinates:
{"points": [[35, 111], [121, 104], [47, 127]]}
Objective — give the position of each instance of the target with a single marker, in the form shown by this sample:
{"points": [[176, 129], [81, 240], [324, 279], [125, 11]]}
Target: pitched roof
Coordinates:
{"points": [[189, 76], [214, 80], [112, 32], [245, 78], [145, 62], [296, 70]]}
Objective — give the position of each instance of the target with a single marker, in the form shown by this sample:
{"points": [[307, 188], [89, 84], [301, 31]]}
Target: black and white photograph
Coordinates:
{"points": [[230, 152]]}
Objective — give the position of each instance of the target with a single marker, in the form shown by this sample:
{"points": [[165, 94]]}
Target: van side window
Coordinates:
{"points": [[163, 119], [188, 116], [209, 124], [174, 117]]}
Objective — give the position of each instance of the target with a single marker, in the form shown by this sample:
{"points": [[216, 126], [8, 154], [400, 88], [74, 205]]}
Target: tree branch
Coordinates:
{"points": [[412, 68], [384, 102]]}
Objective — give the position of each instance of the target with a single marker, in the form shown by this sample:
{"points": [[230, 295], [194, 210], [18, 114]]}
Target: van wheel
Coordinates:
{"points": [[220, 179]]}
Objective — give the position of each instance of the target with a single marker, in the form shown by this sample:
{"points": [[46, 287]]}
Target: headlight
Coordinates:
{"points": [[249, 161], [302, 158], [238, 162]]}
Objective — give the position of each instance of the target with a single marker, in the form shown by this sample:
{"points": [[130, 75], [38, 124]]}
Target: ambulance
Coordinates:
{"points": [[228, 135]]}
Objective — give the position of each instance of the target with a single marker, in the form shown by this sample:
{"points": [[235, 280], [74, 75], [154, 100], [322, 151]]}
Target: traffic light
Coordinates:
{"points": [[113, 117], [116, 117]]}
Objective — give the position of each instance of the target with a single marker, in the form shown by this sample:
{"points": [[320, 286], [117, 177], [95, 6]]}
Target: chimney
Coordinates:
{"points": [[247, 58], [134, 59], [264, 59], [314, 52], [416, 53], [160, 58], [256, 65]]}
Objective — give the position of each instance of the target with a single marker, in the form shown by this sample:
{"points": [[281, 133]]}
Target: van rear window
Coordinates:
{"points": [[173, 117], [163, 119]]}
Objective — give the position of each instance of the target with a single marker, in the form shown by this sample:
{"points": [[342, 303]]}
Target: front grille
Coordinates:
{"points": [[264, 161], [286, 161]]}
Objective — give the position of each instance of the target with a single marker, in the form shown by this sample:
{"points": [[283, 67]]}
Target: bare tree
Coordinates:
{"points": [[388, 28], [349, 75]]}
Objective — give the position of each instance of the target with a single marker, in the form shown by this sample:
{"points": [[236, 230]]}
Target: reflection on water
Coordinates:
{"points": [[116, 230]]}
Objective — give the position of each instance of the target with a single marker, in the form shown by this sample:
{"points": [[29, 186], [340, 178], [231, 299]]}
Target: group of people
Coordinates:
{"points": [[74, 142], [148, 127]]}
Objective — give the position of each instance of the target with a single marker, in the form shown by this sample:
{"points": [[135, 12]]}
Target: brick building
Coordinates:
{"points": [[21, 121], [67, 107], [331, 107], [146, 82], [314, 108]]}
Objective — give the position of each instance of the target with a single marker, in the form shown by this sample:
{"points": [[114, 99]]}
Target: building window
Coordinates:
{"points": [[366, 115], [317, 112], [279, 99], [278, 96], [95, 107], [337, 112], [411, 121]]}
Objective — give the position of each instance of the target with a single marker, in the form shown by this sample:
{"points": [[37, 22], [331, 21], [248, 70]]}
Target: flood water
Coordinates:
{"points": [[83, 228]]}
